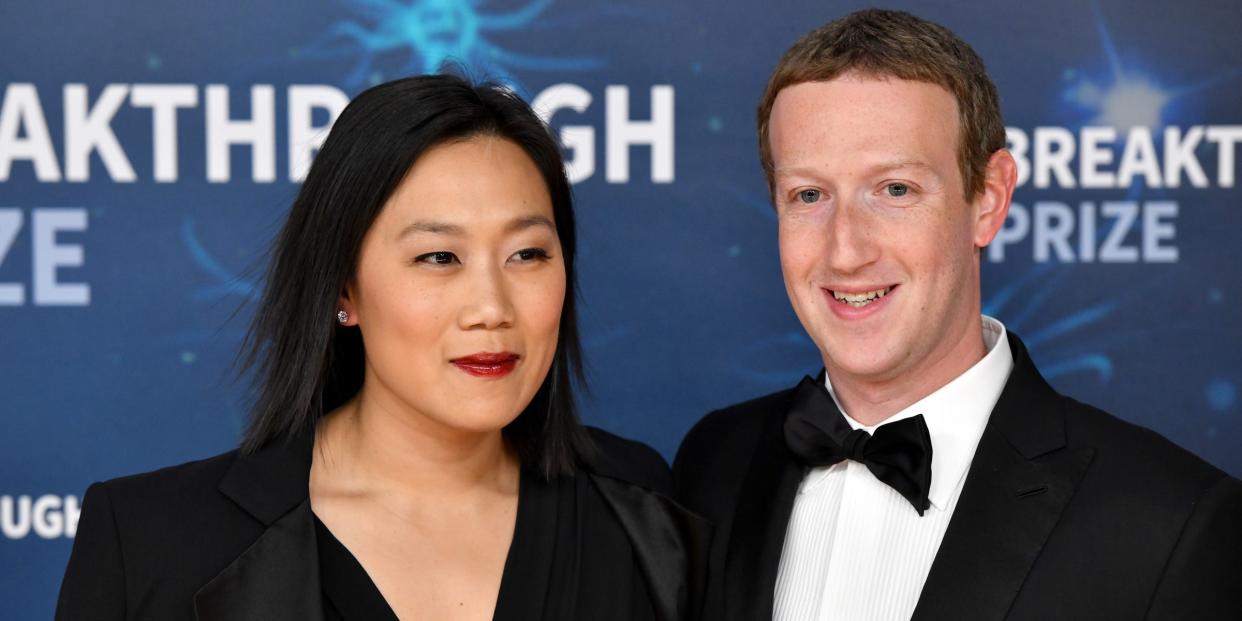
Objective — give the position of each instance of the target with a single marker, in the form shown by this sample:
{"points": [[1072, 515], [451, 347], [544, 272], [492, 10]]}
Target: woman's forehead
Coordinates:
{"points": [[483, 182]]}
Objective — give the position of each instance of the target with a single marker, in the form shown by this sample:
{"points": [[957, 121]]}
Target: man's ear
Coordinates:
{"points": [[991, 204]]}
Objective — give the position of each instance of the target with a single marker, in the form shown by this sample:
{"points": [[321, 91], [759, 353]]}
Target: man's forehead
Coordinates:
{"points": [[857, 125], [865, 113], [859, 87]]}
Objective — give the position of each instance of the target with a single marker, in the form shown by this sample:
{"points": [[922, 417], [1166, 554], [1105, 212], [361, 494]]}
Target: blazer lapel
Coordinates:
{"points": [[277, 577], [1020, 480], [670, 543], [758, 533]]}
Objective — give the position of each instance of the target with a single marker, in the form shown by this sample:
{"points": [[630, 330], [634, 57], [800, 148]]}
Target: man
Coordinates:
{"points": [[932, 473]]}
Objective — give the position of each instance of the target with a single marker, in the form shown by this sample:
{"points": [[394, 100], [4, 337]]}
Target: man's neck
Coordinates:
{"points": [[871, 400]]}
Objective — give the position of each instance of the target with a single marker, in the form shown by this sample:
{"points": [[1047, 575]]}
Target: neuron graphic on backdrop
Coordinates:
{"points": [[427, 35], [227, 291], [424, 34], [224, 283], [1126, 96]]}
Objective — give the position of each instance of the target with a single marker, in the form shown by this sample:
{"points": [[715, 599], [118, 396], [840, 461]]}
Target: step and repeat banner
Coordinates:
{"points": [[149, 151]]}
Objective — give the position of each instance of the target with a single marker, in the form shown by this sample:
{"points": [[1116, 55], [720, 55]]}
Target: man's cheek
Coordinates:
{"points": [[800, 248]]}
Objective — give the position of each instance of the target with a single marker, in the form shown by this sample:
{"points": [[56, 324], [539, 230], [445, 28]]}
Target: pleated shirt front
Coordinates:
{"points": [[855, 548]]}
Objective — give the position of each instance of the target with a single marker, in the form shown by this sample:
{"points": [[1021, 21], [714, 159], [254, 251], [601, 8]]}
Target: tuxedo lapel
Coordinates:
{"points": [[277, 577], [759, 522], [1020, 480]]}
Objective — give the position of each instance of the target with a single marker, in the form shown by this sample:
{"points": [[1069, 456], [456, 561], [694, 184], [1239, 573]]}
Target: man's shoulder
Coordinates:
{"points": [[740, 423], [1130, 459], [1124, 448], [716, 453]]}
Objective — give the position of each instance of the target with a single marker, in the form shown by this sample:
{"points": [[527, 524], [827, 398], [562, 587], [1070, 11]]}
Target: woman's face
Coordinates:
{"points": [[459, 288]]}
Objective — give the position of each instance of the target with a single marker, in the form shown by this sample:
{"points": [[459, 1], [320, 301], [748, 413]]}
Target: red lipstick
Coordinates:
{"points": [[487, 364]]}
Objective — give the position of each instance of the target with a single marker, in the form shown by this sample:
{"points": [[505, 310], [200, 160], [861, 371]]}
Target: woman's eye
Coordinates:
{"points": [[531, 254], [437, 258], [897, 190], [809, 196]]}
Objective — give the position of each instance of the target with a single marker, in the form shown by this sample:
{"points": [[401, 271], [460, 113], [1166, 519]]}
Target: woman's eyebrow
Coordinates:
{"points": [[522, 223], [430, 226]]}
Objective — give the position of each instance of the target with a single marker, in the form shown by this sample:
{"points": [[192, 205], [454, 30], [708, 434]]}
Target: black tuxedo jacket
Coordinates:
{"points": [[233, 538], [1066, 513]]}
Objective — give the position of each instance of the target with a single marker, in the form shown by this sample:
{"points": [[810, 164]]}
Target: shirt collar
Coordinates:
{"points": [[957, 412]]}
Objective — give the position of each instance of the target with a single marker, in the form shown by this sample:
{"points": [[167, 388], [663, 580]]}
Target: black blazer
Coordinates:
{"points": [[1066, 513], [232, 537]]}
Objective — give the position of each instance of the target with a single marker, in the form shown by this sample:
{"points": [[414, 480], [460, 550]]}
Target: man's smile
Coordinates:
{"points": [[861, 299]]}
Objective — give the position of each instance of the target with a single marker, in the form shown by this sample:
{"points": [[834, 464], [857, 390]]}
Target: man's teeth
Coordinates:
{"points": [[859, 300]]}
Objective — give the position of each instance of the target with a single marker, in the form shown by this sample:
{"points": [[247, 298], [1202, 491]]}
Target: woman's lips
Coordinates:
{"points": [[486, 364]]}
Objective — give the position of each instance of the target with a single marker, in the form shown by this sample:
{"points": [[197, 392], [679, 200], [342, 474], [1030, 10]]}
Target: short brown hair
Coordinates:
{"points": [[879, 43]]}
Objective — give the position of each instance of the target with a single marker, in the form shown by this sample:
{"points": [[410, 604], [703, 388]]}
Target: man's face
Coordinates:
{"points": [[877, 241]]}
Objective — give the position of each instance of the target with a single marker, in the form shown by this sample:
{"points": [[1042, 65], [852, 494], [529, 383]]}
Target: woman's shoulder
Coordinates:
{"points": [[180, 478], [165, 495], [163, 533], [629, 461]]}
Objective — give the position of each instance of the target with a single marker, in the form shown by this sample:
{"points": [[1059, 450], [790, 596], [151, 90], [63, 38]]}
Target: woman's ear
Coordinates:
{"points": [[346, 312]]}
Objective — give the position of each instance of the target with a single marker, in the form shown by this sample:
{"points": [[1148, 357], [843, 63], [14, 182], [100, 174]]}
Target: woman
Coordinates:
{"points": [[414, 452]]}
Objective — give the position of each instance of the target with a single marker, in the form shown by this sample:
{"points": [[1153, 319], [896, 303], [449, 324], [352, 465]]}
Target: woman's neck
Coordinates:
{"points": [[367, 444]]}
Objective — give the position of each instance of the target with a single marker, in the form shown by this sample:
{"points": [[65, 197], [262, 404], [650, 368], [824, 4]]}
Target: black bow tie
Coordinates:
{"points": [[899, 453]]}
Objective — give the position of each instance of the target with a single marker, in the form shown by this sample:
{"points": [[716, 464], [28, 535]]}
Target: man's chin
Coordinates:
{"points": [[862, 361]]}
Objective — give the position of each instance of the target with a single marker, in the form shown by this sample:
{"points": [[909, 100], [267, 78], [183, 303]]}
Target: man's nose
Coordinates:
{"points": [[851, 236]]}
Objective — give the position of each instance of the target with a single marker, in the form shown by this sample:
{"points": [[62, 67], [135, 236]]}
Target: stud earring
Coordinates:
{"points": [[342, 316]]}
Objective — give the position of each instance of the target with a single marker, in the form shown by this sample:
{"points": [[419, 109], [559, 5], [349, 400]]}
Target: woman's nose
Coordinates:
{"points": [[488, 303]]}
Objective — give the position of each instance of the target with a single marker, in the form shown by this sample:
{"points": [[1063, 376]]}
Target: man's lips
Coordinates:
{"points": [[857, 289], [853, 302], [487, 364]]}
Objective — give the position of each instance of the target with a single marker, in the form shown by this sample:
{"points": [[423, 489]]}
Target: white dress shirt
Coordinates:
{"points": [[857, 550]]}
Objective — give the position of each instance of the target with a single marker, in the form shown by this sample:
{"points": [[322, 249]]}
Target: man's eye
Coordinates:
{"points": [[897, 190], [437, 258], [809, 196]]}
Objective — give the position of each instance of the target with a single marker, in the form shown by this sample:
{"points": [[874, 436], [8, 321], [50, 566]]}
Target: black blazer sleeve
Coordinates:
{"points": [[94, 584], [1203, 578]]}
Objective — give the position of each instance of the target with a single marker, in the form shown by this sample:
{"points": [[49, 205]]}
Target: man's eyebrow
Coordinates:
{"points": [[812, 171], [898, 165], [804, 171]]}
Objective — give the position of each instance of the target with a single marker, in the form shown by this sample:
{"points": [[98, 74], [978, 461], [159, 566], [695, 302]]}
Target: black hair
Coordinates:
{"points": [[306, 364]]}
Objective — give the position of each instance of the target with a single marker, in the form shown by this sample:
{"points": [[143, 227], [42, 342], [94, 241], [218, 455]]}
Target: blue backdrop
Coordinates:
{"points": [[148, 152]]}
